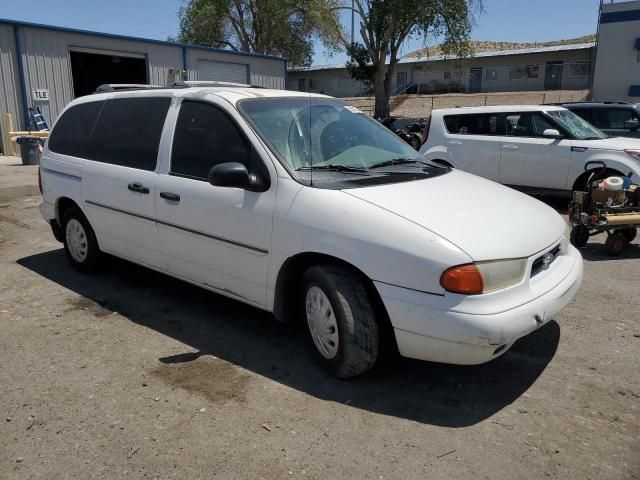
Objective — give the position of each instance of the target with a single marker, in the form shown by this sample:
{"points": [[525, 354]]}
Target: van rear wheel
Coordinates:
{"points": [[79, 240], [340, 319]]}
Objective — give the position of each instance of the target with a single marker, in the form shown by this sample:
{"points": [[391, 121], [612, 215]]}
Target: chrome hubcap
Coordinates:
{"points": [[322, 322], [77, 240]]}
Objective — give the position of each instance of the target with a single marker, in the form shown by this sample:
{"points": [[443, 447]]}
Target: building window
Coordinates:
{"points": [[579, 69], [637, 56], [523, 71], [302, 87], [491, 74]]}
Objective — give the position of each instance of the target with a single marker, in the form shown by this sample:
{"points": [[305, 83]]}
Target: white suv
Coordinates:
{"points": [[540, 148], [307, 208]]}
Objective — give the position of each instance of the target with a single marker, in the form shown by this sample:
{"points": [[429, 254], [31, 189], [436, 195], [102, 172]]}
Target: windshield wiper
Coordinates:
{"points": [[331, 168], [394, 161]]}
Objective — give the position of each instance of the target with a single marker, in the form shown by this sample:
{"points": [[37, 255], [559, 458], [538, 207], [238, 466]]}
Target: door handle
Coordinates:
{"points": [[454, 143], [510, 147], [174, 197], [137, 187]]}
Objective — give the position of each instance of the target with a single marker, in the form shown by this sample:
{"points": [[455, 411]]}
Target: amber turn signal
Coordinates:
{"points": [[462, 279]]}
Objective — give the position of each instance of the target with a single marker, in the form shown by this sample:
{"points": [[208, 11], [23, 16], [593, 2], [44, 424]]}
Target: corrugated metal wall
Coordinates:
{"points": [[9, 82], [47, 65]]}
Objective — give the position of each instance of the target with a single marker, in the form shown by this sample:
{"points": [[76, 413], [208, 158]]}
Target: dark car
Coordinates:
{"points": [[617, 119], [409, 129]]}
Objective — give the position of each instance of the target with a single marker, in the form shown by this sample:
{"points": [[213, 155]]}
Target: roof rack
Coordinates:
{"points": [[210, 83], [115, 87], [588, 101]]}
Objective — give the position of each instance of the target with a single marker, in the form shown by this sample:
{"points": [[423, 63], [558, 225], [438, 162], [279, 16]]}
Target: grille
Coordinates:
{"points": [[539, 263]]}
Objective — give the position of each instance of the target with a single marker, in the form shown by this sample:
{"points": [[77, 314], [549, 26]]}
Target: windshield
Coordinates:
{"points": [[323, 134], [577, 127]]}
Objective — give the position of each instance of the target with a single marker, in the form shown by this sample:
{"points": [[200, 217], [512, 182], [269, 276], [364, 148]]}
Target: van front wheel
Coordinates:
{"points": [[340, 319], [79, 241]]}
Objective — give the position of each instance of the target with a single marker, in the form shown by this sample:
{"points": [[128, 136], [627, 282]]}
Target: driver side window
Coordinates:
{"points": [[205, 136]]}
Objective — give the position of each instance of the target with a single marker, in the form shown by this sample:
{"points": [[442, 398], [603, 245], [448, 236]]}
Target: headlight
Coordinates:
{"points": [[483, 277], [634, 153]]}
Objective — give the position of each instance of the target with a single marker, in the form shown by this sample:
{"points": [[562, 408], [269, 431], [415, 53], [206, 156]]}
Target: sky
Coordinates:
{"points": [[502, 20]]}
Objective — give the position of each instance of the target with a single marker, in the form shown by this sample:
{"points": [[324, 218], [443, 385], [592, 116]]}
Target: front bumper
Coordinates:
{"points": [[426, 331]]}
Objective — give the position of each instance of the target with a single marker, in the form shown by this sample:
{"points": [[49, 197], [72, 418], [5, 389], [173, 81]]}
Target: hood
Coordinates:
{"points": [[612, 143], [484, 219]]}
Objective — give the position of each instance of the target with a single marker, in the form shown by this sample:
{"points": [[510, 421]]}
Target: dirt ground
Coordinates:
{"points": [[130, 373]]}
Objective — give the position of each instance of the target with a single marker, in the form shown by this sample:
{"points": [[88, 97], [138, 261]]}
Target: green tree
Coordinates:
{"points": [[386, 24], [271, 27]]}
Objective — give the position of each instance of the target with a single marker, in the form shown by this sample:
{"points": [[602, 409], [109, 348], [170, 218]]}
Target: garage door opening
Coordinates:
{"points": [[89, 70]]}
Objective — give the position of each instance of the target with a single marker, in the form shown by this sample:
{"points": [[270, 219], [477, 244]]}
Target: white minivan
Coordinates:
{"points": [[307, 208], [538, 148]]}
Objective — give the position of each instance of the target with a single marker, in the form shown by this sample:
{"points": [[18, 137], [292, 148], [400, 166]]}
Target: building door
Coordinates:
{"points": [[475, 80], [223, 71], [89, 70], [401, 81], [553, 76]]}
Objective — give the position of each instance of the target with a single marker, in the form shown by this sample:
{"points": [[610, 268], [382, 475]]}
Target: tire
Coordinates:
{"points": [[629, 234], [579, 236], [79, 241], [349, 344], [614, 244]]}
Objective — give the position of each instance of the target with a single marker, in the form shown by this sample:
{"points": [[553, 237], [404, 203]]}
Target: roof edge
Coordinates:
{"points": [[21, 23]]}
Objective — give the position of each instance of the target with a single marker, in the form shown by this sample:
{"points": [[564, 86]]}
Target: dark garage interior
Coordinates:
{"points": [[89, 70]]}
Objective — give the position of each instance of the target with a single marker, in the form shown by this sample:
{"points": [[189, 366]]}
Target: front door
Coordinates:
{"points": [[528, 159], [119, 179], [553, 76], [475, 80], [218, 237], [401, 81]]}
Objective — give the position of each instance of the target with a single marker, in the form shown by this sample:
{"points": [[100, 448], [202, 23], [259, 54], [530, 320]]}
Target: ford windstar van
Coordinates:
{"points": [[303, 206]]}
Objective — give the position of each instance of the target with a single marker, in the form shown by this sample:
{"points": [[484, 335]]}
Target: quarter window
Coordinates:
{"points": [[128, 132], [72, 133], [205, 136]]}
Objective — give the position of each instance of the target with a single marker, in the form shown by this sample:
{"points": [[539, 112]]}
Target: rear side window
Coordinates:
{"points": [[128, 132], [205, 136], [612, 117], [486, 124], [72, 133]]}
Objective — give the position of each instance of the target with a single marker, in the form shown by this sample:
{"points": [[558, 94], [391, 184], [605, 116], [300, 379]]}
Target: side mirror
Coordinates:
{"points": [[631, 125], [235, 175], [551, 133]]}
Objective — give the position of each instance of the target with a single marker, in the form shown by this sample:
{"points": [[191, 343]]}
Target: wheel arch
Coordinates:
{"points": [[288, 280], [62, 205]]}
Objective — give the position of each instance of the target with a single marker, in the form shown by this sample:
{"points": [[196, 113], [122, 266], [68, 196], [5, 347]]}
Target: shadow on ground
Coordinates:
{"points": [[444, 395]]}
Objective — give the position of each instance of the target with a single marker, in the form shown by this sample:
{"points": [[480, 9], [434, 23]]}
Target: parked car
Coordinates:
{"points": [[617, 119], [539, 148], [408, 129], [307, 208]]}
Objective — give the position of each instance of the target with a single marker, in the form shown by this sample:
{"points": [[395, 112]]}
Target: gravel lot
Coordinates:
{"points": [[133, 374]]}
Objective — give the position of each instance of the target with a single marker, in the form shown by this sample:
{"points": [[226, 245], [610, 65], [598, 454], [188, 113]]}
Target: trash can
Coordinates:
{"points": [[29, 150]]}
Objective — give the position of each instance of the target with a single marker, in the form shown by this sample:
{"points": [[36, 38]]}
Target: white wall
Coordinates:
{"points": [[616, 67]]}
